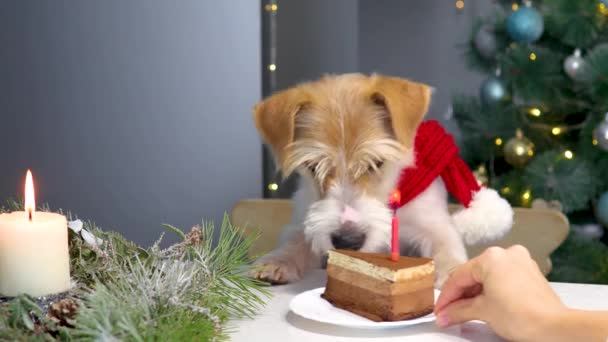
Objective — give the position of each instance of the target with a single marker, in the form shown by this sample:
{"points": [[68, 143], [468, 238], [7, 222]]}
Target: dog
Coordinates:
{"points": [[349, 137]]}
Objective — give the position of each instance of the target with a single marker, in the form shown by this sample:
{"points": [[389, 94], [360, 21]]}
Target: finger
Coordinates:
{"points": [[461, 281], [473, 291], [460, 311], [520, 251], [468, 275]]}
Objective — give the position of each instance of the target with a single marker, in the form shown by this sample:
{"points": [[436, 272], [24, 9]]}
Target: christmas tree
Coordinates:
{"points": [[538, 129]]}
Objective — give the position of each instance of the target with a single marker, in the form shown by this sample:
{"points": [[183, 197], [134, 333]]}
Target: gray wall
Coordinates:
{"points": [[131, 113], [315, 37], [418, 40], [412, 39]]}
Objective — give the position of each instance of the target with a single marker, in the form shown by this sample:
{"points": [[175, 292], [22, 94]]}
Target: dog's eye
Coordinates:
{"points": [[312, 167], [377, 165]]}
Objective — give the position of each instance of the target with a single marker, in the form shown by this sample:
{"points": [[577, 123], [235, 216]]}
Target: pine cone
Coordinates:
{"points": [[194, 237], [64, 311]]}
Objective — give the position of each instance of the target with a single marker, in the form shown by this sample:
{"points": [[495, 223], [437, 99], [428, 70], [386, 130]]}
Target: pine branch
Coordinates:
{"points": [[596, 75], [580, 260], [189, 291], [484, 122], [513, 186], [534, 80], [481, 125], [595, 156], [554, 177], [12, 204], [18, 320], [575, 23]]}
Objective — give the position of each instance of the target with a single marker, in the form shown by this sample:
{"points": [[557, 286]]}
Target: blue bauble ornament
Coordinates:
{"points": [[485, 42], [493, 91], [601, 210], [525, 25]]}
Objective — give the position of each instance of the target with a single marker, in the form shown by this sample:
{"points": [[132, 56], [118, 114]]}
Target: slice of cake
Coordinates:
{"points": [[373, 286]]}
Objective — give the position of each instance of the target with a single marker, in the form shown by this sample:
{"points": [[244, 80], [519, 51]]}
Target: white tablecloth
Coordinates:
{"points": [[277, 323]]}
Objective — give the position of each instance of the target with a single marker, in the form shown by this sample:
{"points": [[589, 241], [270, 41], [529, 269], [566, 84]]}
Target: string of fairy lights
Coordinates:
{"points": [[518, 150], [269, 85], [602, 7]]}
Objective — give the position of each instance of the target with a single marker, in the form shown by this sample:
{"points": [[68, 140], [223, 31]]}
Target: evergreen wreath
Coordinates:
{"points": [[123, 292]]}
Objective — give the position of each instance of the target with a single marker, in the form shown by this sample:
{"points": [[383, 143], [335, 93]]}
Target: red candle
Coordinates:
{"points": [[394, 203], [395, 239]]}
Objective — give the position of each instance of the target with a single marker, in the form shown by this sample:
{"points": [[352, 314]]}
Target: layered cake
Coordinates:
{"points": [[373, 286]]}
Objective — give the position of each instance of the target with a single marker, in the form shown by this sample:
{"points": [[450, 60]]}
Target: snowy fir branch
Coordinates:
{"points": [[123, 292]]}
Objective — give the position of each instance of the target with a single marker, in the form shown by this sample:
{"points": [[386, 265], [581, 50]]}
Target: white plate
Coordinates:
{"points": [[312, 306]]}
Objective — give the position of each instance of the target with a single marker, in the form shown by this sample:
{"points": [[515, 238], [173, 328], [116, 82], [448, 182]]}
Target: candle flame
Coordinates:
{"points": [[395, 199], [30, 198]]}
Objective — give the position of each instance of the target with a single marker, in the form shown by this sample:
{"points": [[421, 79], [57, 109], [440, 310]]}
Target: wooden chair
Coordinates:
{"points": [[539, 230]]}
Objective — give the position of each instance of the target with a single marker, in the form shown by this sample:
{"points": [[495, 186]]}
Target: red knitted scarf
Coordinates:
{"points": [[436, 154]]}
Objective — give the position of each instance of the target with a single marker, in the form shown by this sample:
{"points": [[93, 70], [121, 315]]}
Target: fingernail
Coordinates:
{"points": [[443, 320]]}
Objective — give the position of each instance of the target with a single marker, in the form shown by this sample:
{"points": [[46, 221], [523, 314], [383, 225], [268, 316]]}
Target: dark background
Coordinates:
{"points": [[138, 113]]}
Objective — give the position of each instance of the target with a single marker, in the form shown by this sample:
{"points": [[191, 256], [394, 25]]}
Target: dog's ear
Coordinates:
{"points": [[406, 103], [275, 119]]}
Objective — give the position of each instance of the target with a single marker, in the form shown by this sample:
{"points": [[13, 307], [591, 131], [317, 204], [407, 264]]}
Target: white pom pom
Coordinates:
{"points": [[488, 217]]}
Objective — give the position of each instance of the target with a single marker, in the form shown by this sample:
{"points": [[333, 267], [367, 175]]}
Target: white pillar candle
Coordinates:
{"points": [[34, 255]]}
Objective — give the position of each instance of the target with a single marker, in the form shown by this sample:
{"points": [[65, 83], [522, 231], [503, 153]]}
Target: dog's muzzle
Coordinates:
{"points": [[348, 238]]}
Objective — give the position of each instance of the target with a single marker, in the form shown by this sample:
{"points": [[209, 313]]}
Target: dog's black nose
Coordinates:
{"points": [[348, 239]]}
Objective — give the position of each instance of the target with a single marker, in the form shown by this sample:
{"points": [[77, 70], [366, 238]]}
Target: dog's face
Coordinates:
{"points": [[349, 137]]}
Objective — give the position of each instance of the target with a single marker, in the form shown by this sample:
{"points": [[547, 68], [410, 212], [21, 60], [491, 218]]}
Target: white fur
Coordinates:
{"points": [[488, 217], [424, 222]]}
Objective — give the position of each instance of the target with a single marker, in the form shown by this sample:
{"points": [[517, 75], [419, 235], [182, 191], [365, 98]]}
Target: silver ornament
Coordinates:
{"points": [[591, 231], [600, 134], [493, 91], [574, 65], [601, 209], [485, 42]]}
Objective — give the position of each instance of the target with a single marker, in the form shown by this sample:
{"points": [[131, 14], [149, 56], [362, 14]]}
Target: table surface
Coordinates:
{"points": [[276, 323]]}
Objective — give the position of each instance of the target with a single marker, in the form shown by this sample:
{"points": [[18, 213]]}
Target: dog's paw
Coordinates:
{"points": [[441, 278], [276, 270], [444, 266]]}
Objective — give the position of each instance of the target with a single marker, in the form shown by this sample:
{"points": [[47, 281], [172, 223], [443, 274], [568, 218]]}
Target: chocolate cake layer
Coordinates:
{"points": [[373, 286], [378, 307]]}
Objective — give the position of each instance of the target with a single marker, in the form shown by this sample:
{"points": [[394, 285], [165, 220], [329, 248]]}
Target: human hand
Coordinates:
{"points": [[503, 287]]}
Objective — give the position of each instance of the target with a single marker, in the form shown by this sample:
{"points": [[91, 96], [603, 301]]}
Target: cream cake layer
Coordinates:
{"points": [[379, 266]]}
